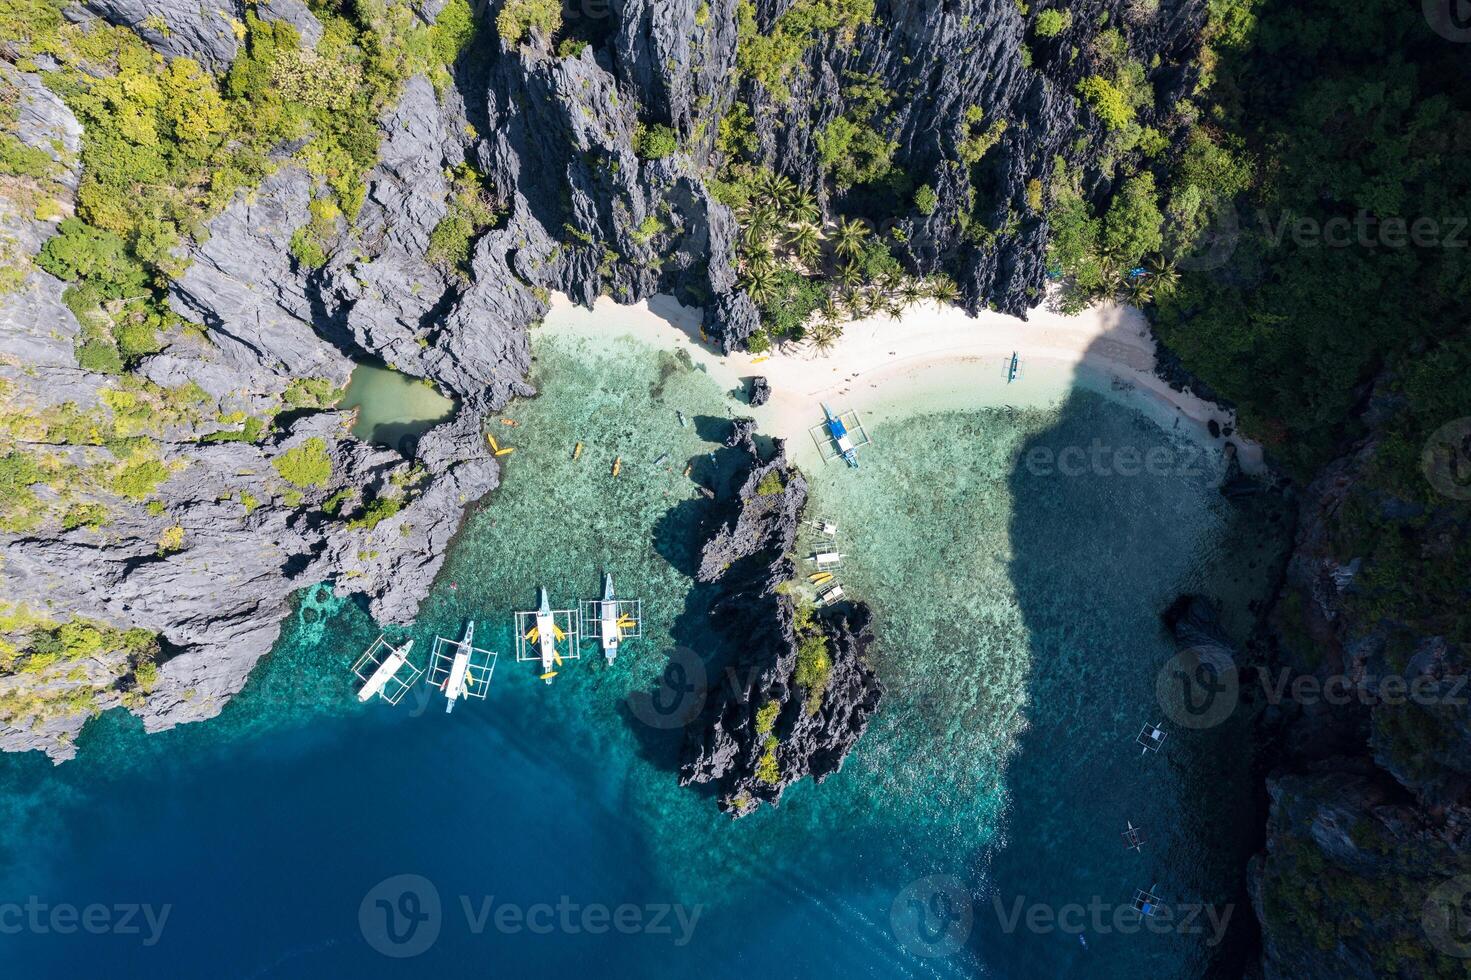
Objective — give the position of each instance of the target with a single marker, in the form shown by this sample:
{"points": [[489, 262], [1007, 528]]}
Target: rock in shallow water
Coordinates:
{"points": [[762, 729]]}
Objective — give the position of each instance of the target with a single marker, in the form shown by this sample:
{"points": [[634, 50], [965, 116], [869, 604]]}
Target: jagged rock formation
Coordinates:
{"points": [[760, 391], [1369, 827], [764, 728]]}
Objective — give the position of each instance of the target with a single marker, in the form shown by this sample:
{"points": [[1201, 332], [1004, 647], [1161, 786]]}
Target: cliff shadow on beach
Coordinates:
{"points": [[1114, 516]]}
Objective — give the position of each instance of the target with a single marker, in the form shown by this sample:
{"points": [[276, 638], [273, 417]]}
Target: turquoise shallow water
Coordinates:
{"points": [[1018, 640]]}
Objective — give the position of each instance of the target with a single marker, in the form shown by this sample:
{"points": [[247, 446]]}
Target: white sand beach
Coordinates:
{"points": [[933, 357]]}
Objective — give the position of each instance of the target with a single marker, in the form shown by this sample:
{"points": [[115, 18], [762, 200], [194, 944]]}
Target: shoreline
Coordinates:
{"points": [[933, 358]]}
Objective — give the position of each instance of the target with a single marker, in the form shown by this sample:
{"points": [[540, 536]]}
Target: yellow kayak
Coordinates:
{"points": [[557, 658], [493, 444], [549, 675], [557, 632], [534, 635], [625, 621], [820, 577], [617, 465], [577, 451], [758, 360], [505, 452]]}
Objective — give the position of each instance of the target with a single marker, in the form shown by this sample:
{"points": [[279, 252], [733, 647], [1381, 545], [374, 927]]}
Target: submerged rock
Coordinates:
{"points": [[799, 691]]}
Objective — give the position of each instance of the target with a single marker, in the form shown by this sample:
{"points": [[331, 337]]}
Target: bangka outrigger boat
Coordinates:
{"points": [[460, 669], [840, 435], [1013, 368], [385, 671], [610, 619], [546, 635]]}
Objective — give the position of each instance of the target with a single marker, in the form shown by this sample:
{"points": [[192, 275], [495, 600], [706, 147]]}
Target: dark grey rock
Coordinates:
{"points": [[750, 558]]}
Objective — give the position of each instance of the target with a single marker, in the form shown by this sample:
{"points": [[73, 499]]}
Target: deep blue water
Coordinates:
{"points": [[998, 776]]}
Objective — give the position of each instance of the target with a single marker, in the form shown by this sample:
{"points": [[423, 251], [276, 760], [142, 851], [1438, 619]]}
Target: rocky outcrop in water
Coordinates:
{"points": [[798, 691]]}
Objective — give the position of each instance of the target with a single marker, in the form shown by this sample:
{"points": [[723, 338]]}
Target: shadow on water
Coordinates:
{"points": [[1099, 548]]}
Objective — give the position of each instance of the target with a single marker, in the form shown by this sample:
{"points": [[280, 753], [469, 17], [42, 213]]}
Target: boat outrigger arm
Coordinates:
{"points": [[613, 619], [385, 671], [539, 634], [460, 669]]}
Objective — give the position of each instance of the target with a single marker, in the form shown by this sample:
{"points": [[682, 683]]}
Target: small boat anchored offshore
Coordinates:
{"points": [[385, 671], [610, 619], [546, 635], [460, 669], [840, 435], [1013, 368]]}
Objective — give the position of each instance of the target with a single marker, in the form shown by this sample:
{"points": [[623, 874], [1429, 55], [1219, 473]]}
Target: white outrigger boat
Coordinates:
{"points": [[614, 619], [385, 671], [460, 669], [548, 628], [1014, 368]]}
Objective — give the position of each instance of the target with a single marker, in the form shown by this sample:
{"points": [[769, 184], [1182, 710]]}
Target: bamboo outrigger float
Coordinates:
{"points": [[611, 620], [546, 635], [460, 669], [385, 671]]}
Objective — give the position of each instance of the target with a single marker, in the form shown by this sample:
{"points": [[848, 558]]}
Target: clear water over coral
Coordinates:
{"points": [[1017, 616]]}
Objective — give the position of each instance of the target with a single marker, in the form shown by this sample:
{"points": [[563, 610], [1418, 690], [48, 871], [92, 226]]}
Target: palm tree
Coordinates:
{"points": [[1166, 277], [777, 189], [1110, 281], [1138, 290], [760, 283], [824, 334], [804, 208], [850, 275], [805, 241], [759, 255], [912, 292], [942, 289], [849, 239], [852, 301], [830, 311]]}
